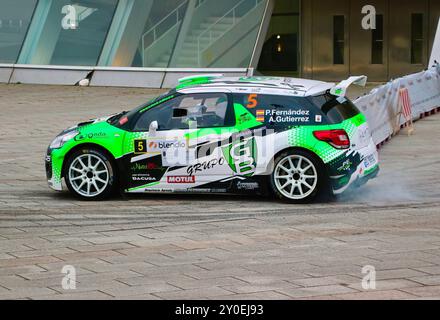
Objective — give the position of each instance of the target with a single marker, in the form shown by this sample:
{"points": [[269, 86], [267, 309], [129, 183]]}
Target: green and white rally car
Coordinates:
{"points": [[294, 138]]}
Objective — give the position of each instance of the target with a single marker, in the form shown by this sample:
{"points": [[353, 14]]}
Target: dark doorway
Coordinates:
{"points": [[279, 56]]}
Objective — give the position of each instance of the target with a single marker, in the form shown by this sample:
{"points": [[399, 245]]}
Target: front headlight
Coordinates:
{"points": [[62, 139]]}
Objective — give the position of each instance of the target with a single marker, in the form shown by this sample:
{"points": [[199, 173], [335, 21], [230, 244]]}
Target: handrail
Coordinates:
{"points": [[209, 29], [153, 28], [175, 11]]}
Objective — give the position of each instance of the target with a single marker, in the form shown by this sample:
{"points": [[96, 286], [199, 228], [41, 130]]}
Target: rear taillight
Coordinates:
{"points": [[337, 138]]}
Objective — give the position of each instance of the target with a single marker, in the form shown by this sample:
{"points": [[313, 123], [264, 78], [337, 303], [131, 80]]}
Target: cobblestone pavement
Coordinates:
{"points": [[216, 247]]}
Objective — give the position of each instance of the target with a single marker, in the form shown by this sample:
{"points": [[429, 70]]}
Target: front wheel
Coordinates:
{"points": [[90, 174], [298, 177]]}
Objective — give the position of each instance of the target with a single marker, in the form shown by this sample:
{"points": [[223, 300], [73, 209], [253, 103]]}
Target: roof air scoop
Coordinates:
{"points": [[200, 77]]}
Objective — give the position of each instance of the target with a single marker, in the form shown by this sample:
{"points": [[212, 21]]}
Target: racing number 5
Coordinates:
{"points": [[140, 146], [252, 101]]}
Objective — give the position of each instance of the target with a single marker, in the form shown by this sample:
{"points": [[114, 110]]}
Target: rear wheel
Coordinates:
{"points": [[298, 177], [90, 174]]}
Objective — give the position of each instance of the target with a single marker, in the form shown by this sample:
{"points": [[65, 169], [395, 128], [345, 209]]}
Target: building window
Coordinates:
{"points": [[338, 39], [15, 17], [67, 34], [417, 38], [377, 41], [184, 33]]}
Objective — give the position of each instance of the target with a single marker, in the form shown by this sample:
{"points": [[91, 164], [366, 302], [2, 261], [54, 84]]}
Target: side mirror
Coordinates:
{"points": [[153, 128]]}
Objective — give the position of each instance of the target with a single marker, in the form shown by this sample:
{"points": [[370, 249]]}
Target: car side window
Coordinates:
{"points": [[202, 110], [281, 111], [161, 114]]}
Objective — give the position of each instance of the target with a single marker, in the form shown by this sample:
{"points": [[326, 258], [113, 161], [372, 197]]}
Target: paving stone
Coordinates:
{"points": [[297, 292], [127, 291], [202, 293], [376, 295], [90, 295]]}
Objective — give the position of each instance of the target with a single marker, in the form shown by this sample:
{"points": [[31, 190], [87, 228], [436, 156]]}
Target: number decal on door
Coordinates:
{"points": [[140, 146]]}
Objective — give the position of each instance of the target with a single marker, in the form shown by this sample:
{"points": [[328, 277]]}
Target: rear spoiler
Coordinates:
{"points": [[341, 88]]}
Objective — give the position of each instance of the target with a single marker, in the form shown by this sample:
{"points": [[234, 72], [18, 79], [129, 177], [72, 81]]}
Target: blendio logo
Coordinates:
{"points": [[160, 145], [166, 145]]}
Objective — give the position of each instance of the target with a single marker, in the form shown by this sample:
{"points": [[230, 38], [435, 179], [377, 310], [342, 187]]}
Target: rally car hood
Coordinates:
{"points": [[88, 122], [95, 121]]}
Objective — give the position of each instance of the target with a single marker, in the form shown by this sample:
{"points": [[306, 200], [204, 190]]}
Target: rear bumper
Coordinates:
{"points": [[368, 176], [362, 170]]}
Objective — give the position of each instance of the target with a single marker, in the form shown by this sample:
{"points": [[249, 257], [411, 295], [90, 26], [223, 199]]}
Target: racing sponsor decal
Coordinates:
{"points": [[91, 135], [203, 166], [346, 165], [247, 185], [206, 190], [145, 171], [369, 160], [159, 145], [181, 179], [144, 166], [242, 156], [80, 137], [142, 146], [243, 118], [143, 178]]}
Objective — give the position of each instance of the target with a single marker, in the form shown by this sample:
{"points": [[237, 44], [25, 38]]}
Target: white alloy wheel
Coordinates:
{"points": [[88, 175], [295, 177]]}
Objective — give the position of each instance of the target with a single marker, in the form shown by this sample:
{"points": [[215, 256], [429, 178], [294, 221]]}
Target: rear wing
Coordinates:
{"points": [[341, 88]]}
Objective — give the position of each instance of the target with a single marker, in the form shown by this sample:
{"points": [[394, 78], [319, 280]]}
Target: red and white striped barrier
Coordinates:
{"points": [[415, 96]]}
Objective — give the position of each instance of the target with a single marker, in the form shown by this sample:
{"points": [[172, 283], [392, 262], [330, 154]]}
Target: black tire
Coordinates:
{"points": [[319, 190], [74, 178]]}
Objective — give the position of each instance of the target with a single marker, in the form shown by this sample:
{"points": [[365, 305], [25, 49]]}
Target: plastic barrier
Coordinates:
{"points": [[381, 105]]}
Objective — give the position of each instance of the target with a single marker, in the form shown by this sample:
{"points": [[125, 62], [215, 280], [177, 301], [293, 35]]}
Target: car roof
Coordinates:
{"points": [[264, 85]]}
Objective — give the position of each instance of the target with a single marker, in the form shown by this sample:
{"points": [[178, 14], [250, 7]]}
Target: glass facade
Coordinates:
{"points": [[68, 32], [300, 38], [130, 33], [184, 33], [15, 17]]}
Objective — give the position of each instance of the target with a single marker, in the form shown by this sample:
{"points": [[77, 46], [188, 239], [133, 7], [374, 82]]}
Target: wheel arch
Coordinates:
{"points": [[86, 145], [271, 164], [326, 183]]}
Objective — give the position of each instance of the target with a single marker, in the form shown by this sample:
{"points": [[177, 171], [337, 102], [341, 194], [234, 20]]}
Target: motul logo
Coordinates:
{"points": [[181, 179]]}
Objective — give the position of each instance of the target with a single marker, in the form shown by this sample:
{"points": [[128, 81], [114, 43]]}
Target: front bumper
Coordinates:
{"points": [[53, 171]]}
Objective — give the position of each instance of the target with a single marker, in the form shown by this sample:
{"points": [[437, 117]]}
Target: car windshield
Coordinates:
{"points": [[337, 109], [114, 120]]}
